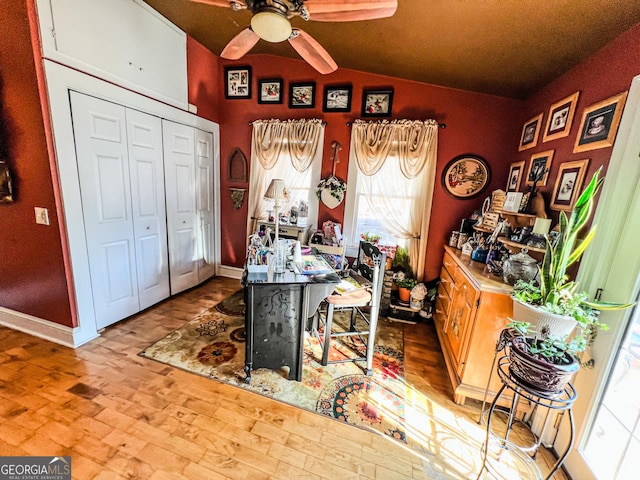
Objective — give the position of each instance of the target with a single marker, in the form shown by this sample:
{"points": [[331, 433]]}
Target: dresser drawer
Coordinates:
{"points": [[449, 264], [446, 282]]}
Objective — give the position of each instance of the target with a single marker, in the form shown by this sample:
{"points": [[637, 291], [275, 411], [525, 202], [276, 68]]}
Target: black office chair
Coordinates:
{"points": [[363, 304]]}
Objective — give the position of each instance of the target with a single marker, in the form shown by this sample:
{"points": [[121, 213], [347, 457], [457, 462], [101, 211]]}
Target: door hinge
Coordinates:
{"points": [[477, 302]]}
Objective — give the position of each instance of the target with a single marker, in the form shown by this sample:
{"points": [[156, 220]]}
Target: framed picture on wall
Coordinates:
{"points": [[377, 103], [515, 176], [466, 176], [600, 123], [568, 185], [237, 82], [270, 91], [530, 132], [337, 98], [302, 95], [560, 118], [539, 168]]}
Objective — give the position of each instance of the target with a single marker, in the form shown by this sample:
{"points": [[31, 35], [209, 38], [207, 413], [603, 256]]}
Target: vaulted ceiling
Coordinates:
{"points": [[510, 48]]}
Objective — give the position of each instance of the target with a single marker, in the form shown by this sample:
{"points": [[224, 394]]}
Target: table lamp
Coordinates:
{"points": [[275, 192]]}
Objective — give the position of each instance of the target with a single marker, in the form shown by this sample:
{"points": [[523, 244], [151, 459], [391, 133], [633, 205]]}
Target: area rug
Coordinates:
{"points": [[213, 345]]}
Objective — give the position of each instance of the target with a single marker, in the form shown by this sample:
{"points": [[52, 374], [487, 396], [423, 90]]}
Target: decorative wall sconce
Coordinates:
{"points": [[237, 195], [6, 190], [237, 166]]}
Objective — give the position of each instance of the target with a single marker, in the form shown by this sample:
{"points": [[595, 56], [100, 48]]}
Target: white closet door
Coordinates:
{"points": [[101, 150], [144, 133], [204, 173], [180, 187]]}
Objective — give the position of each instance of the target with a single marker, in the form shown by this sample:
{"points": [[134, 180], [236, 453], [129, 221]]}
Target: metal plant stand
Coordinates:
{"points": [[495, 448]]}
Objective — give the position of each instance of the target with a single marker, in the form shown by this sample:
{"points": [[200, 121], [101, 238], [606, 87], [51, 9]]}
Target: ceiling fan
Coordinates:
{"points": [[270, 22]]}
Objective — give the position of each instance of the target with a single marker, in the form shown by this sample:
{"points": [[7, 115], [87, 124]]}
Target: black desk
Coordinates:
{"points": [[278, 308]]}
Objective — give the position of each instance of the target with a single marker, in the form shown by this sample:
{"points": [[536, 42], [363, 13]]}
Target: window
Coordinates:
{"points": [[388, 188], [290, 150], [392, 165]]}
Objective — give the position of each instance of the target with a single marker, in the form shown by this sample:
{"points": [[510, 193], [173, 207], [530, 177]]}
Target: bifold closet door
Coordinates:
{"points": [[146, 167], [121, 187], [205, 204], [180, 188]]}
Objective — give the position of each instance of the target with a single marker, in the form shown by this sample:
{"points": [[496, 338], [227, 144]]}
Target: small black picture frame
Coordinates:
{"points": [[237, 82], [302, 95], [337, 98], [270, 90], [377, 103]]}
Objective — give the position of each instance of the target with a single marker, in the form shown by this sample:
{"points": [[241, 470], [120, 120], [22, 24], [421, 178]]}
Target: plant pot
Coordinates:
{"points": [[404, 294], [558, 325], [545, 377]]}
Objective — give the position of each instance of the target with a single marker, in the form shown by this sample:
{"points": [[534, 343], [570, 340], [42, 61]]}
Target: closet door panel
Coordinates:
{"points": [[103, 168], [180, 187], [204, 161], [148, 204]]}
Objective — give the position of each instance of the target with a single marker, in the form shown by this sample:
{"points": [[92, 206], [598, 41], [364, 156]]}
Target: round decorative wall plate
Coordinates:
{"points": [[466, 176]]}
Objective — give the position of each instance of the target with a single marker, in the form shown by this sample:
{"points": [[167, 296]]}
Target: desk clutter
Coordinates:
{"points": [[510, 242]]}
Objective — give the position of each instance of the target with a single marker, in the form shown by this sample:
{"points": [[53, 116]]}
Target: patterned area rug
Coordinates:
{"points": [[213, 345]]}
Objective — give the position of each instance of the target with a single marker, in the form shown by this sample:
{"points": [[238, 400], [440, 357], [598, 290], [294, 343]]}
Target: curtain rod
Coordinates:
{"points": [[441, 125], [324, 124]]}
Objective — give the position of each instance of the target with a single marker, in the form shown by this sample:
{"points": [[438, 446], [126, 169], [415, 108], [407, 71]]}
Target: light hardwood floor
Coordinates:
{"points": [[119, 415]]}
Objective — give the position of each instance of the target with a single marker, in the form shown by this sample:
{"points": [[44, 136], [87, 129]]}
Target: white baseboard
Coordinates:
{"points": [[61, 334], [231, 272]]}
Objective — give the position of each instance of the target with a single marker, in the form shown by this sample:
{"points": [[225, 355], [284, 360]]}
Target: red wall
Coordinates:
{"points": [[604, 74], [202, 72], [32, 274], [476, 124]]}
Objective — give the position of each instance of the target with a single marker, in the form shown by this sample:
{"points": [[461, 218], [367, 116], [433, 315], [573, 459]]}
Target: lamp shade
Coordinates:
{"points": [[275, 190]]}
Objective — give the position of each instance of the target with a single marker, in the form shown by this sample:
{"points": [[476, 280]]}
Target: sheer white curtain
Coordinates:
{"points": [[286, 149], [395, 160]]}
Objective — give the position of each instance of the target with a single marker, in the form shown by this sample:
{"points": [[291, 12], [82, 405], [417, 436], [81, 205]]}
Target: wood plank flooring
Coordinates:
{"points": [[121, 416]]}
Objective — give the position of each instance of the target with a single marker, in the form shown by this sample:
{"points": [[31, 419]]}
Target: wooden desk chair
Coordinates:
{"points": [[362, 303]]}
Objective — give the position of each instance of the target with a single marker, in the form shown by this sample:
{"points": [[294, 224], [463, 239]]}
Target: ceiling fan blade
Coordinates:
{"points": [[350, 10], [312, 52], [215, 3], [240, 45]]}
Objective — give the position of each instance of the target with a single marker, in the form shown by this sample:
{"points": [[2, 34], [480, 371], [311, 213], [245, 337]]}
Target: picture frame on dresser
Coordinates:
{"points": [[530, 132], [560, 118], [599, 124], [237, 82], [568, 184]]}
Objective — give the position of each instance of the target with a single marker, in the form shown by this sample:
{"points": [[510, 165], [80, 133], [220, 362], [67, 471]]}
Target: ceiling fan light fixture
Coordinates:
{"points": [[271, 26]]}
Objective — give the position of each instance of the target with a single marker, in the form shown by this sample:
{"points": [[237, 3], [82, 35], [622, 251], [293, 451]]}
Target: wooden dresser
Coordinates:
{"points": [[472, 308]]}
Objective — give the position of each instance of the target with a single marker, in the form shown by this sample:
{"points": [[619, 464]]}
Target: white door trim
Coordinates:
{"points": [[611, 262]]}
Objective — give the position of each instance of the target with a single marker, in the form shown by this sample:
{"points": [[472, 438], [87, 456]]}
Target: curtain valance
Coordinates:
{"points": [[295, 139], [413, 142]]}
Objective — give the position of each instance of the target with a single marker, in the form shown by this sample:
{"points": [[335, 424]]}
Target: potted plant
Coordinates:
{"points": [[405, 285], [552, 320], [547, 363]]}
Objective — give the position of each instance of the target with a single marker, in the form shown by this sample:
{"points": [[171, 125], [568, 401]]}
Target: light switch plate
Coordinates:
{"points": [[42, 215]]}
